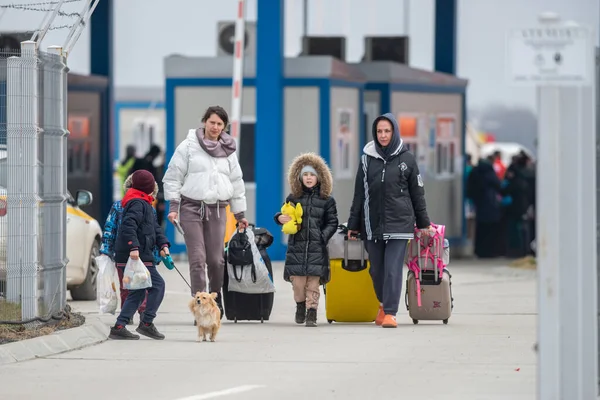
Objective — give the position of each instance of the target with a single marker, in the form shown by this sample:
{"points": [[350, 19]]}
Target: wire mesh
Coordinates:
{"points": [[32, 186]]}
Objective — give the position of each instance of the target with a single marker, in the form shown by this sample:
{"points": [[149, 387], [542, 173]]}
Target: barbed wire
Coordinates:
{"points": [[61, 13], [45, 7], [31, 7], [44, 3]]}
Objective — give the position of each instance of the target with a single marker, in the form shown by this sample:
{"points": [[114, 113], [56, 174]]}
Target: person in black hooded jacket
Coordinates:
{"points": [[389, 198], [307, 259]]}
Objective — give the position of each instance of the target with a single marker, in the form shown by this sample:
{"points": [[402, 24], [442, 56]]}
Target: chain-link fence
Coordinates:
{"points": [[33, 192]]}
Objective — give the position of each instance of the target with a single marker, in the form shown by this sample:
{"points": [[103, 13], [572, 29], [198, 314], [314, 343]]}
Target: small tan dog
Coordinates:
{"points": [[207, 315]]}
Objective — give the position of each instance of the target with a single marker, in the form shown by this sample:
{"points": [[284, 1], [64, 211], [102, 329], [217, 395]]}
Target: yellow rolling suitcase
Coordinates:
{"points": [[349, 295]]}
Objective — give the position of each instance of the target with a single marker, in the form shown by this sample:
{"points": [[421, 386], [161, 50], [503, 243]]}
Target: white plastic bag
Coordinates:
{"points": [[251, 279], [136, 276], [107, 285]]}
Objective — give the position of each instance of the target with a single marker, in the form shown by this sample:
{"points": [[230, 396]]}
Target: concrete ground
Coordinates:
{"points": [[485, 352]]}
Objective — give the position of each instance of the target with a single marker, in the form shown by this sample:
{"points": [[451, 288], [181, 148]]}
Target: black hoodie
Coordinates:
{"points": [[389, 195]]}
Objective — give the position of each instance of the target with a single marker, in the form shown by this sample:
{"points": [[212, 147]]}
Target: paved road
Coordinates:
{"points": [[485, 352]]}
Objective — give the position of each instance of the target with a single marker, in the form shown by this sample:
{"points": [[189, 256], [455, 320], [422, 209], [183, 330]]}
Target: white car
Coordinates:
{"points": [[83, 245]]}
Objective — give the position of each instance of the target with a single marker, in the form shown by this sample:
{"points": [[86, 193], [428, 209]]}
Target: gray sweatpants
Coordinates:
{"points": [[204, 228], [387, 260]]}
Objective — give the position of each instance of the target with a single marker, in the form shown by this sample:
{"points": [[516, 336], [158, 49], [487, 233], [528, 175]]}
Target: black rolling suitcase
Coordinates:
{"points": [[250, 307]]}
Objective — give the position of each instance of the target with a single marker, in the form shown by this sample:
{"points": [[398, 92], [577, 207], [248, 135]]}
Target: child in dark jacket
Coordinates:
{"points": [[138, 234], [307, 260], [109, 237]]}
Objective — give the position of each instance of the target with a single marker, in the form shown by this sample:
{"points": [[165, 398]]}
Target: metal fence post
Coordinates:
{"points": [[22, 180], [62, 107], [52, 235]]}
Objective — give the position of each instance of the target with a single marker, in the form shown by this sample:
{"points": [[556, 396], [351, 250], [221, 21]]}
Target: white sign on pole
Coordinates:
{"points": [[553, 55]]}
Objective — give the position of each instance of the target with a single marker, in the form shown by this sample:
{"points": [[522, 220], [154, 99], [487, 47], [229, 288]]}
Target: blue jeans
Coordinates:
{"points": [[136, 297]]}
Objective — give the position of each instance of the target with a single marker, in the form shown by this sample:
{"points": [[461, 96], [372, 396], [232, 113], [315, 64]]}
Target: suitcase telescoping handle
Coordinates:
{"points": [[430, 243], [354, 265]]}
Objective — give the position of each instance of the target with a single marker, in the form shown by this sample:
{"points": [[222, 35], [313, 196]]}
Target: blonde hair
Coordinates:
{"points": [[128, 183]]}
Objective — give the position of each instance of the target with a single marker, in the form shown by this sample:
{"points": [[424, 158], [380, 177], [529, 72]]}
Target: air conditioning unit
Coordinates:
{"points": [[387, 48], [226, 39], [334, 46], [10, 42]]}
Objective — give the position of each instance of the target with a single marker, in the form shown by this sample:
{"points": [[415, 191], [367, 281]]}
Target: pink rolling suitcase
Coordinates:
{"points": [[428, 285]]}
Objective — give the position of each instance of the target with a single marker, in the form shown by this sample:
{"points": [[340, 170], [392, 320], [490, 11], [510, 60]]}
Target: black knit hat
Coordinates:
{"points": [[143, 181]]}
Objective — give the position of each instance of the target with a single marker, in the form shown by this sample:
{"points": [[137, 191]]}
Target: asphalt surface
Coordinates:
{"points": [[485, 352]]}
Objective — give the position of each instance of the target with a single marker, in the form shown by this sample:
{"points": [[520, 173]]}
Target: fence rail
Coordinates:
{"points": [[33, 184]]}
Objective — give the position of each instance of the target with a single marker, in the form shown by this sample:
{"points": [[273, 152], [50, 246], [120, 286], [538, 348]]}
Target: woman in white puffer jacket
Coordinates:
{"points": [[202, 178]]}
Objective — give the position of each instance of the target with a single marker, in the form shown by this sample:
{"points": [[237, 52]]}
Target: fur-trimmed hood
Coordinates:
{"points": [[323, 172]]}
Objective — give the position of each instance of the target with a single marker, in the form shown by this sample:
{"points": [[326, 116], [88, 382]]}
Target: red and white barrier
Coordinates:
{"points": [[238, 72]]}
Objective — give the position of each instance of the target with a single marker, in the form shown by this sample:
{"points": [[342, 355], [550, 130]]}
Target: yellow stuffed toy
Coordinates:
{"points": [[291, 227]]}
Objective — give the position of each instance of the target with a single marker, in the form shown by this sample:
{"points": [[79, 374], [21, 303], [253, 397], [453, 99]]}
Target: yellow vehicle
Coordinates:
{"points": [[83, 245]]}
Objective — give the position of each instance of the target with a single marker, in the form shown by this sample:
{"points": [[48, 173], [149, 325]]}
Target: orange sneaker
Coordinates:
{"points": [[380, 316], [389, 321]]}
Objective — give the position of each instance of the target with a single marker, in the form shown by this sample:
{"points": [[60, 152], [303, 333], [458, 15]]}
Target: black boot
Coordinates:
{"points": [[311, 317], [119, 332], [150, 331], [300, 312]]}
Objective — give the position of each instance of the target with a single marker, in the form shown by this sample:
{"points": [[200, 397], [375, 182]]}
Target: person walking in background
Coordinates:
{"points": [[123, 170], [469, 207], [484, 188], [202, 178], [389, 197]]}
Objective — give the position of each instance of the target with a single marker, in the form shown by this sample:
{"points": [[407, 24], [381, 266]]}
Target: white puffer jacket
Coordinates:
{"points": [[196, 175]]}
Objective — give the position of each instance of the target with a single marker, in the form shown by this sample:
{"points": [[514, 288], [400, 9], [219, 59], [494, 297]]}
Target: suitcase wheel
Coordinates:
{"points": [[330, 321], [445, 321], [262, 320], [415, 321], [235, 320]]}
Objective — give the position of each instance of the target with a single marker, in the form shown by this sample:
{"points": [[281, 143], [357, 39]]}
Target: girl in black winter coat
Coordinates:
{"points": [[307, 260]]}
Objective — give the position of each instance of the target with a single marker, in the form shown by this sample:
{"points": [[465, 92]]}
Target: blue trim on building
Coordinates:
{"points": [[325, 122], [170, 146], [131, 105], [269, 171], [445, 36], [411, 87], [361, 122]]}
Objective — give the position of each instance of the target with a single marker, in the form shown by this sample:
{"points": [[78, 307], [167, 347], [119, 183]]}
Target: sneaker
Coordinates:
{"points": [[389, 321], [150, 331], [119, 332], [301, 312], [311, 317], [380, 316]]}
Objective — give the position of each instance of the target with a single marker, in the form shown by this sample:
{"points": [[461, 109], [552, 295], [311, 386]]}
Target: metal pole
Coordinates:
{"points": [[566, 241], [407, 17], [238, 73], [305, 19], [597, 72]]}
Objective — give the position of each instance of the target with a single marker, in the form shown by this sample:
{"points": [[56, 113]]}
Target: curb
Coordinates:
{"points": [[92, 332]]}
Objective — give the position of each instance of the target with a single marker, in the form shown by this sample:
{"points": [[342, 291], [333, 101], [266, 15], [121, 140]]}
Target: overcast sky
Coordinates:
{"points": [[148, 30]]}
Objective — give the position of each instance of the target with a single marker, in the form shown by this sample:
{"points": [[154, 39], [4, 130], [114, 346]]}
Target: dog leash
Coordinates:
{"points": [[168, 261], [182, 277]]}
